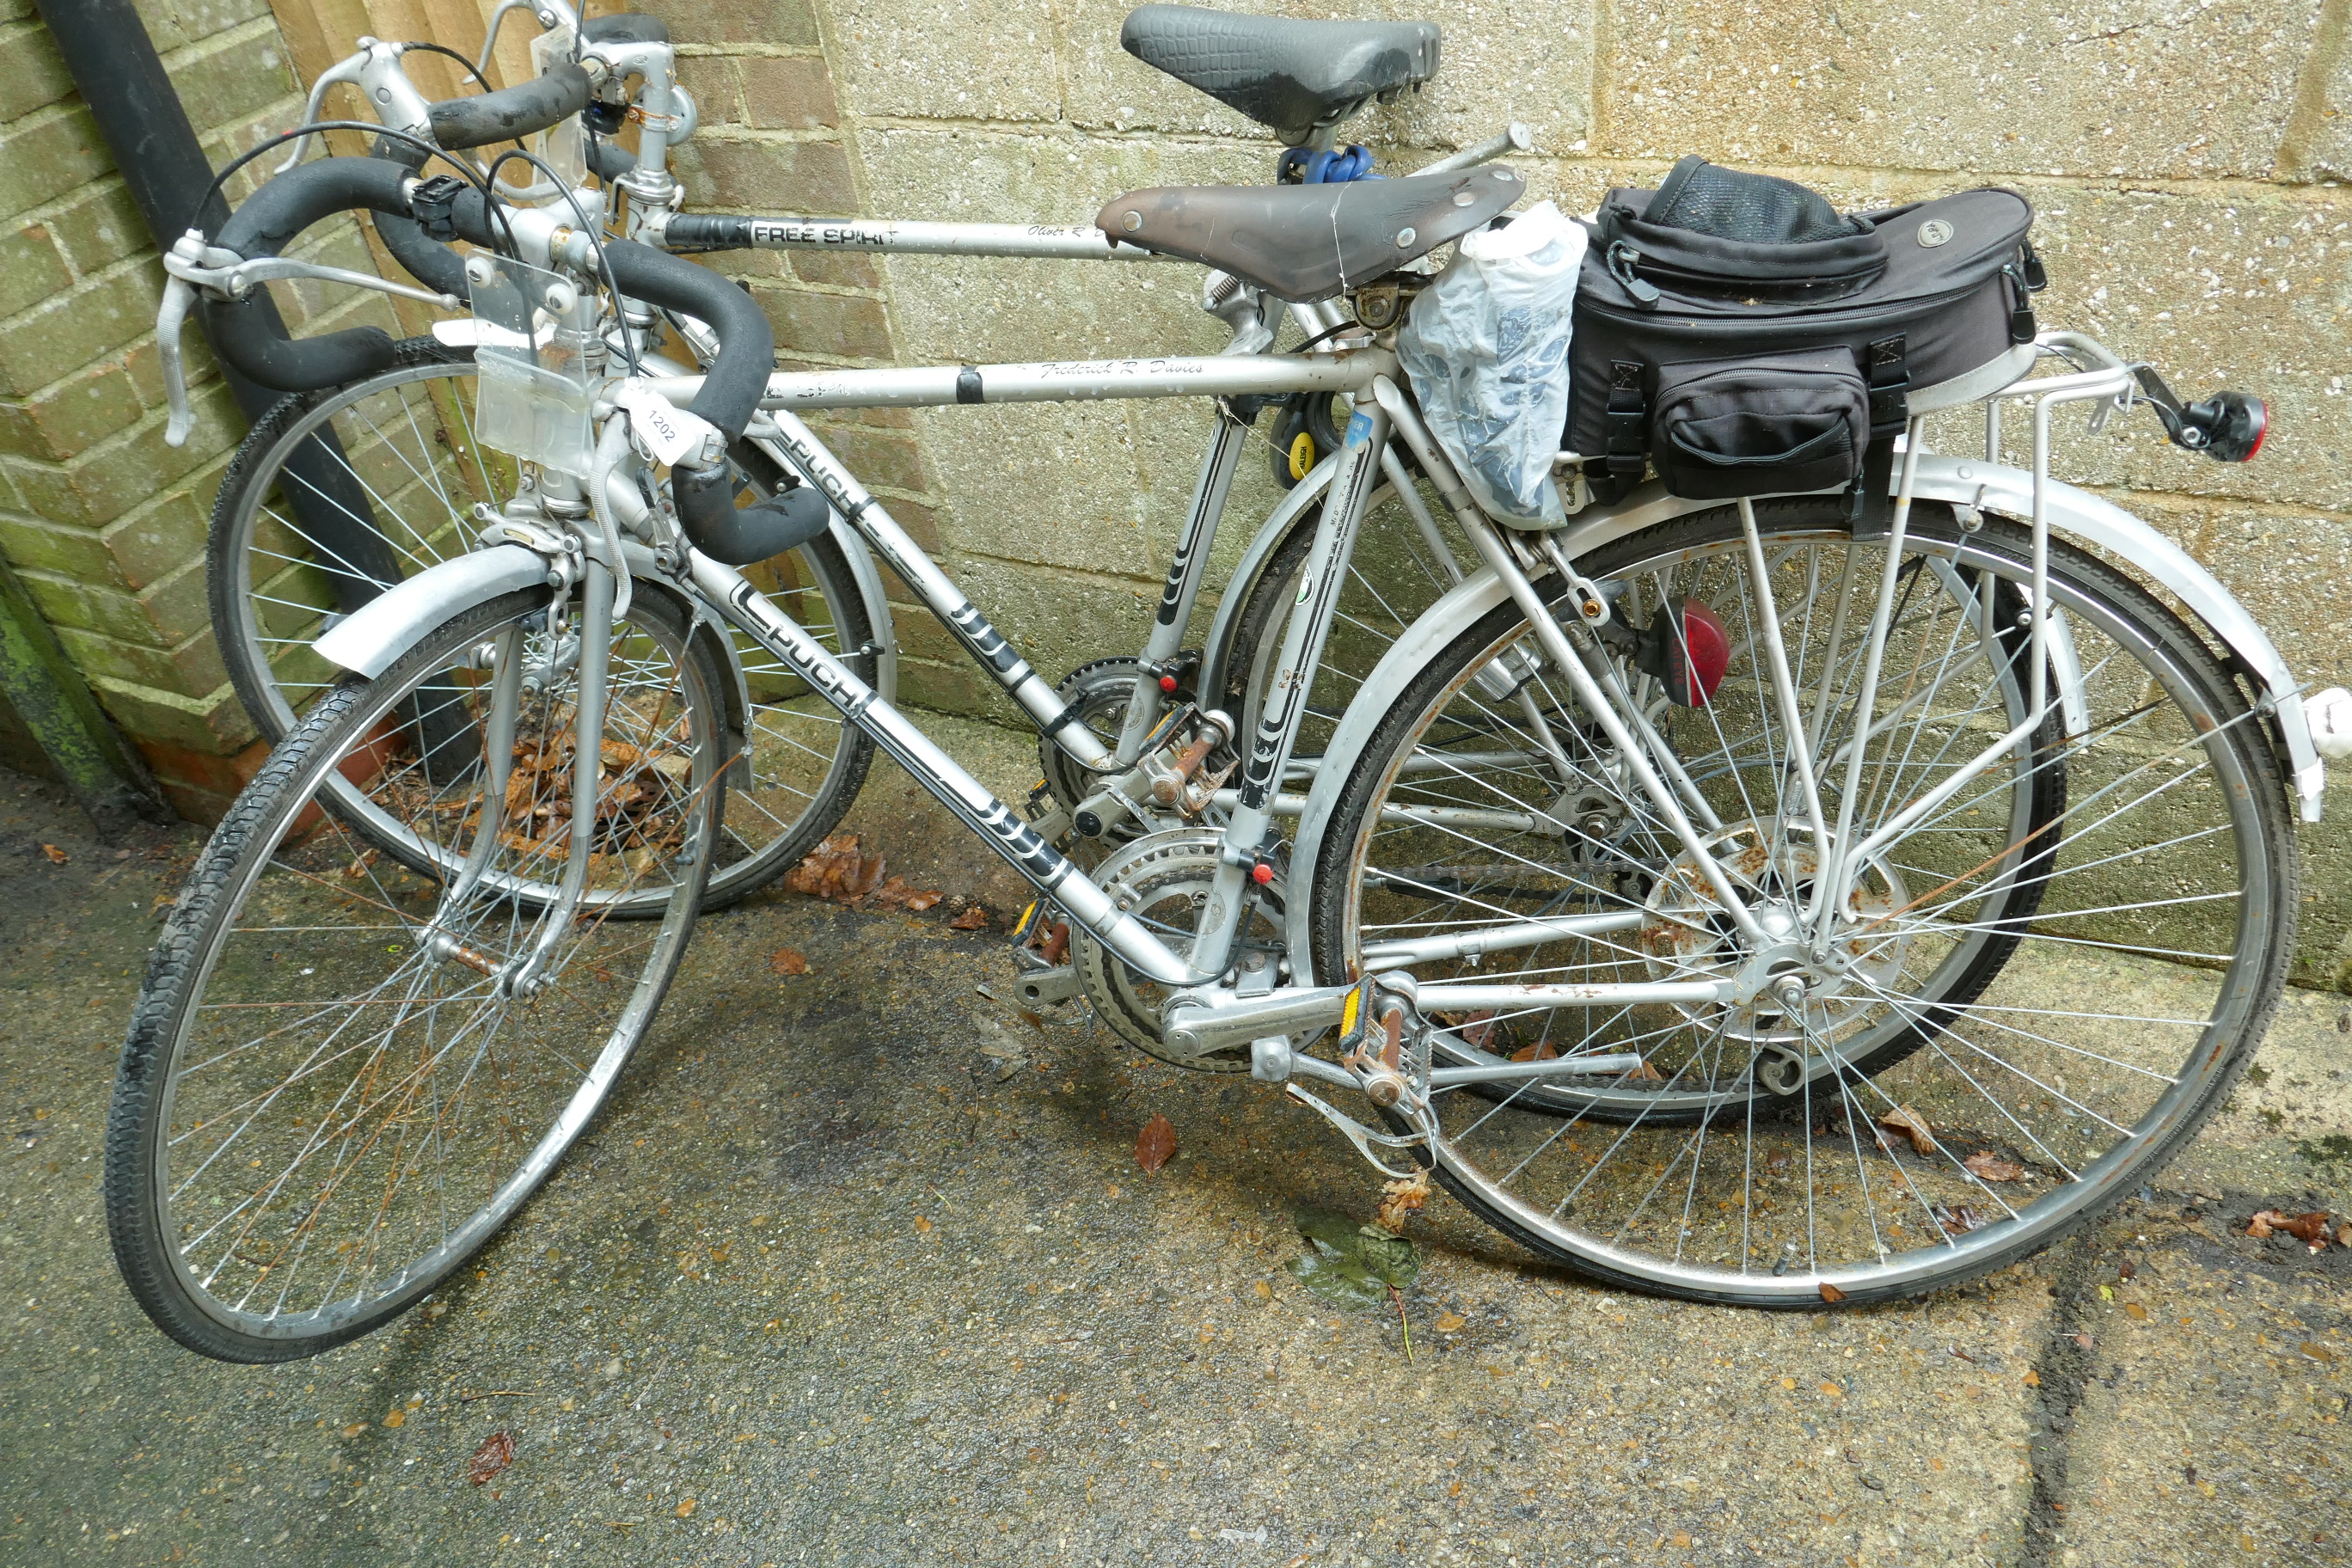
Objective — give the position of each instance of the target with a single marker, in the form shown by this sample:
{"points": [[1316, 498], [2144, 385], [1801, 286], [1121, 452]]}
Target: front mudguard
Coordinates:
{"points": [[370, 638]]}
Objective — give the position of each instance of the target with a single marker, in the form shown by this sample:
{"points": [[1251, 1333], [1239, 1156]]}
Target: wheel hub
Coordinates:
{"points": [[1784, 994]]}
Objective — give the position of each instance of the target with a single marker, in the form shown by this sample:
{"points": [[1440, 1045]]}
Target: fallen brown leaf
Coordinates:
{"points": [[1831, 1293], [1399, 1199], [923, 1225], [496, 1454], [55, 854], [788, 961], [1155, 1144], [1451, 1323], [2033, 1378], [1541, 1051], [2134, 1311], [686, 1508], [1987, 1166], [1912, 1125], [838, 869], [2311, 1229], [397, 1418], [895, 894], [973, 919]]}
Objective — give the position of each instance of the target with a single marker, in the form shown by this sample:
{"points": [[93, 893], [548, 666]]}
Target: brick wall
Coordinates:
{"points": [[2185, 157], [104, 522]]}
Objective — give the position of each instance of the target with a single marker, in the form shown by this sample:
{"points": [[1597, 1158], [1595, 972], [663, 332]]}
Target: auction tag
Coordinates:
{"points": [[668, 431]]}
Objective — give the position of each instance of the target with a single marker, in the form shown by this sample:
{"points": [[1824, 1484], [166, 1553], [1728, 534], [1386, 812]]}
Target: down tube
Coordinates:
{"points": [[1053, 718], [996, 823]]}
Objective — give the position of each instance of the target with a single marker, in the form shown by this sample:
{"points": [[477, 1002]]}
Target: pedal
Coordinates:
{"points": [[1041, 944], [1042, 988], [1044, 815]]}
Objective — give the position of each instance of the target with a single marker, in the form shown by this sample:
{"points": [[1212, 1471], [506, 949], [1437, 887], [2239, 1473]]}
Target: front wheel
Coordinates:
{"points": [[348, 1067], [2037, 992]]}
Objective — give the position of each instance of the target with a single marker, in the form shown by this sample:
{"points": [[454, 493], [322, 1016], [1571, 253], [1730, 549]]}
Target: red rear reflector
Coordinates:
{"points": [[1167, 683], [1705, 656]]}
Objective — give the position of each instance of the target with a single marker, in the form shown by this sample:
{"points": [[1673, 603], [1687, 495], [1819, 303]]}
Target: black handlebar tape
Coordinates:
{"points": [[740, 535], [249, 337], [285, 206], [688, 234], [511, 113], [608, 160], [628, 27]]}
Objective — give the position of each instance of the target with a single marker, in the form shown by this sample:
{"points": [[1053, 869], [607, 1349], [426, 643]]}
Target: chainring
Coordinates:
{"points": [[1163, 880], [1097, 695]]}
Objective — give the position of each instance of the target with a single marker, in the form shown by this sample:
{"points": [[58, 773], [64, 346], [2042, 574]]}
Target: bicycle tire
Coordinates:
{"points": [[2134, 1070], [283, 894]]}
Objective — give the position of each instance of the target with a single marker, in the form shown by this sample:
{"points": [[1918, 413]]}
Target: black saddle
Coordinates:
{"points": [[1291, 76], [1304, 243]]}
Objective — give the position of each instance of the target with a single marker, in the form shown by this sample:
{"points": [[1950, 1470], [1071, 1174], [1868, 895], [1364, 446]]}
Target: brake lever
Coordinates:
{"points": [[192, 265], [349, 71], [169, 319]]}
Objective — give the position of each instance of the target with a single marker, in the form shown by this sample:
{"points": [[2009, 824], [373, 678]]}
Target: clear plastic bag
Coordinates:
{"points": [[535, 391], [1486, 351]]}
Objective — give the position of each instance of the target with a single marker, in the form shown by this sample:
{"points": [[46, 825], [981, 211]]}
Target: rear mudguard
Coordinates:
{"points": [[2074, 513]]}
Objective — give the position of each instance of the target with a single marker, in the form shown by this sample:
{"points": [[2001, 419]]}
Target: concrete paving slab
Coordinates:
{"points": [[859, 1266]]}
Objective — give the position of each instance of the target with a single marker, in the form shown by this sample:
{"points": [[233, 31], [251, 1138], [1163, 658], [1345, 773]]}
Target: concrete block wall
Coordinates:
{"points": [[2187, 159]]}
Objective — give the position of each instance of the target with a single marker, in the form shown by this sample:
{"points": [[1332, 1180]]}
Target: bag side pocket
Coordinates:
{"points": [[1768, 424]]}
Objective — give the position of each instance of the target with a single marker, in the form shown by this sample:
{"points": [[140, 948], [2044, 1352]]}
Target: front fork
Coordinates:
{"points": [[524, 973]]}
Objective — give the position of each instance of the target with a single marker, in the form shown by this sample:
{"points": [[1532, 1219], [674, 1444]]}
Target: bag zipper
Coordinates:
{"points": [[1910, 310], [1623, 261]]}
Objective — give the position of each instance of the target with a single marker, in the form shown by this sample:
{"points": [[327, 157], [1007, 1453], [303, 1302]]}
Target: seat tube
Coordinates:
{"points": [[1184, 575], [1352, 483]]}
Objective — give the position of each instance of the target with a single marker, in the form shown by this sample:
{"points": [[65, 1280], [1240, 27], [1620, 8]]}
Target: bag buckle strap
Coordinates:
{"points": [[1628, 413], [1890, 386]]}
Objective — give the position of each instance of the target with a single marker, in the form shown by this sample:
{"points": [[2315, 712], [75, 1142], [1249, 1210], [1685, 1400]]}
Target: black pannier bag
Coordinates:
{"points": [[1739, 334]]}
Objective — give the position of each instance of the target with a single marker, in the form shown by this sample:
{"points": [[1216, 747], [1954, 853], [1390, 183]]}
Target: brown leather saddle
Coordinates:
{"points": [[1304, 243]]}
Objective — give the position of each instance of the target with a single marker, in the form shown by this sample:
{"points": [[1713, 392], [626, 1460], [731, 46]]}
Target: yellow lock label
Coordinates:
{"points": [[1302, 455]]}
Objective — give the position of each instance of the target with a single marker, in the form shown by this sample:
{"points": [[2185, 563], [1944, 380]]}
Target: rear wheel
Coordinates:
{"points": [[347, 1068], [2036, 993]]}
